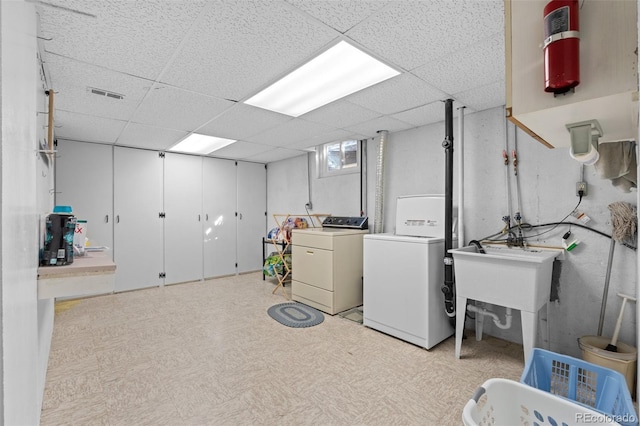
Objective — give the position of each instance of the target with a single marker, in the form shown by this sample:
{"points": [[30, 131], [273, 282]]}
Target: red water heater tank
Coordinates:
{"points": [[561, 46]]}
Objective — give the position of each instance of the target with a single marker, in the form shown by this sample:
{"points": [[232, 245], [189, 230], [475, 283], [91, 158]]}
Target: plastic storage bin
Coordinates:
{"points": [[503, 402], [587, 384]]}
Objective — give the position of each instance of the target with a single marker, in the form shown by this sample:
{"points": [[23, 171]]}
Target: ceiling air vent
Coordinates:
{"points": [[106, 93]]}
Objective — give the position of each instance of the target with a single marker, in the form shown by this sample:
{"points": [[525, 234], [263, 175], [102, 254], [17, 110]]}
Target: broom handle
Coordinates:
{"points": [[614, 339]]}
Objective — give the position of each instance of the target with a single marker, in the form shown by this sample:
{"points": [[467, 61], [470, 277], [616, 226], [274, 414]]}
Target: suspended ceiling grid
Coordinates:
{"points": [[186, 66]]}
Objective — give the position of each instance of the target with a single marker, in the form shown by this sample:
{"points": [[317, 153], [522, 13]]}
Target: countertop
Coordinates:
{"points": [[90, 264]]}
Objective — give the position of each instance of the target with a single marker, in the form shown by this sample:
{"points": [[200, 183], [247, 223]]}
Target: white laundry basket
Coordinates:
{"points": [[501, 402]]}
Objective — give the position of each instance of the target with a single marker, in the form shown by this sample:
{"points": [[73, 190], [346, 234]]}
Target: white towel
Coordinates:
{"points": [[618, 162]]}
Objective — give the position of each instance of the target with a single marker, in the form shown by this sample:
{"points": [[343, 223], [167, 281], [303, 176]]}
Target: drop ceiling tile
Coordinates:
{"points": [[397, 94], [241, 149], [201, 50], [240, 47], [242, 121], [178, 109], [477, 65], [485, 97], [276, 154], [71, 81], [136, 37], [292, 131], [86, 128], [412, 33], [427, 114], [370, 128], [158, 138], [315, 140], [341, 15], [341, 114]]}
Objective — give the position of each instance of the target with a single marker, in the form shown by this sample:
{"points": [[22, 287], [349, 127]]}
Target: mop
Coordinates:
{"points": [[623, 223], [614, 340]]}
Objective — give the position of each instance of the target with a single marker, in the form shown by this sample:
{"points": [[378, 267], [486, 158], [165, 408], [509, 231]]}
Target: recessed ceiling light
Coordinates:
{"points": [[196, 143], [336, 73]]}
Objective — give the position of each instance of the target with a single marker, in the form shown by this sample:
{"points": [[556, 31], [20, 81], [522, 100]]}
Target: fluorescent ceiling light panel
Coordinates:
{"points": [[196, 143], [336, 73]]}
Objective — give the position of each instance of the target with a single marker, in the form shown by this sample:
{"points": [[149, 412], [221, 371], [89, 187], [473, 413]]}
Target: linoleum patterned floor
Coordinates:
{"points": [[207, 353]]}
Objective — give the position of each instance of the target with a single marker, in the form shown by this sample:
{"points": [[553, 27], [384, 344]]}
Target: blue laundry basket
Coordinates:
{"points": [[591, 385]]}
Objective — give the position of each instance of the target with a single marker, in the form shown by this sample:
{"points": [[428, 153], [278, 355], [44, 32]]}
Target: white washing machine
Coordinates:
{"points": [[403, 273]]}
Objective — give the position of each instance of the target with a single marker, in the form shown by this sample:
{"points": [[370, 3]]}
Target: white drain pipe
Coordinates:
{"points": [[461, 240], [496, 319], [379, 210]]}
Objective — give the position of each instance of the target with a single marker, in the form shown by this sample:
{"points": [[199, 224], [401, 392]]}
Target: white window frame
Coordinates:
{"points": [[322, 160]]}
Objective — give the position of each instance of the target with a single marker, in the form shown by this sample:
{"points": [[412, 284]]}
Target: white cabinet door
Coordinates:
{"points": [[84, 181], [183, 218], [219, 209], [252, 207], [138, 229]]}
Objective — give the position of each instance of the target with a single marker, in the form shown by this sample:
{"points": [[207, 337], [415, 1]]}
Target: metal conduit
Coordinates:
{"points": [[379, 208]]}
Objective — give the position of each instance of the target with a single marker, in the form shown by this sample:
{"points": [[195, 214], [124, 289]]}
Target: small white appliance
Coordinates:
{"points": [[404, 271]]}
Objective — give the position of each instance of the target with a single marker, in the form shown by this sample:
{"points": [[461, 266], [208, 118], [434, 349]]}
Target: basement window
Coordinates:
{"points": [[338, 158]]}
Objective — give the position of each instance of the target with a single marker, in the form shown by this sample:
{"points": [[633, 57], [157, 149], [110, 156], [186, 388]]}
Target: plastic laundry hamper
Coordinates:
{"points": [[590, 385], [502, 402]]}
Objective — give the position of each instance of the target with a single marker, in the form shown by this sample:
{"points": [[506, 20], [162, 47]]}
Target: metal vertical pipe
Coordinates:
{"points": [[363, 177], [379, 213], [460, 151], [605, 291], [507, 218], [447, 144], [516, 163]]}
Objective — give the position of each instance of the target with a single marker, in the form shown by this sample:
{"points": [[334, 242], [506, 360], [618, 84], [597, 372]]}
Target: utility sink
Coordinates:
{"points": [[515, 278]]}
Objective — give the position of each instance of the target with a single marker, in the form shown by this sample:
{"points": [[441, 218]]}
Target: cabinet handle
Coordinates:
{"points": [[310, 252], [198, 218], [240, 216], [106, 218], [117, 218], [207, 217]]}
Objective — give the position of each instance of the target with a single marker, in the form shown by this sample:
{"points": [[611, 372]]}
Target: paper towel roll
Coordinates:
{"points": [[589, 158]]}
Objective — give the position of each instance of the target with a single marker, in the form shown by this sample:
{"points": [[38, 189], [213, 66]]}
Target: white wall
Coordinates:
{"points": [[415, 165], [19, 215], [44, 202], [289, 189]]}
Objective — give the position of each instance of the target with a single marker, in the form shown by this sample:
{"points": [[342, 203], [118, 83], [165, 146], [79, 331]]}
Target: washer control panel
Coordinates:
{"points": [[357, 222]]}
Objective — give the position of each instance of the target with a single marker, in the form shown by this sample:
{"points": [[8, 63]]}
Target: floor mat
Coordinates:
{"points": [[354, 314], [297, 315]]}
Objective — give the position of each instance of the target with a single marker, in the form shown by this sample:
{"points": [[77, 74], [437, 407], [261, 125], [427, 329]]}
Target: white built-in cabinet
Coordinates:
{"points": [[138, 229], [84, 181], [167, 218], [252, 214], [219, 199], [183, 218]]}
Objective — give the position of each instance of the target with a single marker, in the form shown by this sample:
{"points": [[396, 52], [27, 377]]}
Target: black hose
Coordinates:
{"points": [[478, 246], [542, 225]]}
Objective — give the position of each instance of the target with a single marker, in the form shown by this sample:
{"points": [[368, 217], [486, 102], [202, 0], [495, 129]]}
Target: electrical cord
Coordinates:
{"points": [[309, 215], [528, 226], [555, 224], [523, 226], [562, 221]]}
